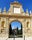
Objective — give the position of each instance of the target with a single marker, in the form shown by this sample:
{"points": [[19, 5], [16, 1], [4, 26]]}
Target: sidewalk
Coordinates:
{"points": [[5, 37]]}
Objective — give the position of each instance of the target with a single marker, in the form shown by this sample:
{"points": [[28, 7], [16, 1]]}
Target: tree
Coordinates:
{"points": [[10, 29], [21, 28], [17, 31]]}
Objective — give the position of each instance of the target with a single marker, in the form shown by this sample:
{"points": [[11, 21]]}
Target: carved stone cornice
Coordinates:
{"points": [[14, 16]]}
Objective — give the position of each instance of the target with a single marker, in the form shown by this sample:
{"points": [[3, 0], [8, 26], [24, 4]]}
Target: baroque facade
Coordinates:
{"points": [[19, 15]]}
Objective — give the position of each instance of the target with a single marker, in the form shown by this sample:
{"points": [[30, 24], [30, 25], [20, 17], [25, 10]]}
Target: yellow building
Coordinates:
{"points": [[15, 13]]}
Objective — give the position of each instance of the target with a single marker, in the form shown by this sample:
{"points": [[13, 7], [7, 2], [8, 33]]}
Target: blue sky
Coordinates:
{"points": [[16, 24], [27, 4]]}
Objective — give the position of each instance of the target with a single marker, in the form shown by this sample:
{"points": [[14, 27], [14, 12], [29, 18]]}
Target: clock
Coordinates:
{"points": [[16, 10]]}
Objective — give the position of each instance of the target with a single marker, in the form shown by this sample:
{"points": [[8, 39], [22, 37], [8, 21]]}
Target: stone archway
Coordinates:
{"points": [[18, 32]]}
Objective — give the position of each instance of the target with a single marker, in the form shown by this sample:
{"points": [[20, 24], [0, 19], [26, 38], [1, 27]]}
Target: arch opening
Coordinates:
{"points": [[15, 29]]}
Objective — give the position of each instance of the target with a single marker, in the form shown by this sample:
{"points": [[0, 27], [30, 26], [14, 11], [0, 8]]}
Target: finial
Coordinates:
{"points": [[27, 13], [16, 1], [26, 10], [4, 9], [22, 10], [0, 10], [30, 12]]}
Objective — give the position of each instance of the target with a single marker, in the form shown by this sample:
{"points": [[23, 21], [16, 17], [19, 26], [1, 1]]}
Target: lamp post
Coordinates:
{"points": [[24, 37], [14, 35]]}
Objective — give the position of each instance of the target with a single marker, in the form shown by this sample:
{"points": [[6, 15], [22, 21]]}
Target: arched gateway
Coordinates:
{"points": [[15, 29], [18, 16]]}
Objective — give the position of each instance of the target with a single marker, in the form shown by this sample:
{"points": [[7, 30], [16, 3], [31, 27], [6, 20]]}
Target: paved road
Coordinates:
{"points": [[11, 39], [6, 38]]}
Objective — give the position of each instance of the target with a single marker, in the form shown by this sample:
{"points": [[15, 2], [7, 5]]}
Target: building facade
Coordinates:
{"points": [[15, 13]]}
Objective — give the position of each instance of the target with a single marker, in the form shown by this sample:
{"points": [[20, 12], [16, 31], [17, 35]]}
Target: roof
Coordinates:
{"points": [[15, 2]]}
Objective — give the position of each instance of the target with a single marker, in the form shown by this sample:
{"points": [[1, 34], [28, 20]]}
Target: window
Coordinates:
{"points": [[27, 24], [2, 26]]}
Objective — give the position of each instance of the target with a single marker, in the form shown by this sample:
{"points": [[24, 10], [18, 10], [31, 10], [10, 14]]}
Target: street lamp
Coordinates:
{"points": [[14, 35], [24, 37]]}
